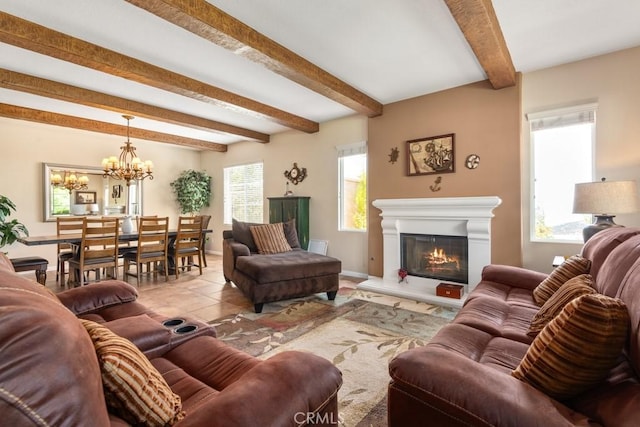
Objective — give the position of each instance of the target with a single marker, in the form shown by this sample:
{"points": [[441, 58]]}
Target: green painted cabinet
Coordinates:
{"points": [[282, 209]]}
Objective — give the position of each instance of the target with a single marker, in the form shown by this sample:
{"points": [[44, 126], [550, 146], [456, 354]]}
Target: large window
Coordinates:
{"points": [[243, 193], [352, 191], [562, 143]]}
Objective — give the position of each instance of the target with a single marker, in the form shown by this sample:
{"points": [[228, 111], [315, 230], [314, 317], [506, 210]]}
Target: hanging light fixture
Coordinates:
{"points": [[70, 181], [128, 166]]}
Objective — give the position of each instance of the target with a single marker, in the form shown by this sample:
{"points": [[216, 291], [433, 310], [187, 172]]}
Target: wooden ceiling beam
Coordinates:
{"points": [[207, 21], [478, 22], [64, 92], [46, 117], [28, 35]]}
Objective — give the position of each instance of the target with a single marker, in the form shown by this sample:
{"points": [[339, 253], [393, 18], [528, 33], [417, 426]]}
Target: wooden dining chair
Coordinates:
{"points": [[66, 225], [152, 249], [205, 224], [187, 246], [98, 248]]}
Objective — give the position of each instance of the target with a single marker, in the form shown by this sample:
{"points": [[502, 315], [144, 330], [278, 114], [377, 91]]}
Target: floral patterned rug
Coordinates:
{"points": [[360, 332]]}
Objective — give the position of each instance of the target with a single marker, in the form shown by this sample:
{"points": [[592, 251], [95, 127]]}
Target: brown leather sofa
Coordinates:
{"points": [[462, 377], [50, 375], [280, 276]]}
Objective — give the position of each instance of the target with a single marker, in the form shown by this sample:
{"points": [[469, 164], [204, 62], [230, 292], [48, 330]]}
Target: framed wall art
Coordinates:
{"points": [[85, 197], [433, 155]]}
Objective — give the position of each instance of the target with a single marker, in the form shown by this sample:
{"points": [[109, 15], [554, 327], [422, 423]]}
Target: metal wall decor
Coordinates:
{"points": [[436, 185], [393, 155], [433, 155], [472, 161], [296, 174]]}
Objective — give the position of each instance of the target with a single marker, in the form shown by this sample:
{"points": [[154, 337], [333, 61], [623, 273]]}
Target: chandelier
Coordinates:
{"points": [[70, 181], [128, 166]]}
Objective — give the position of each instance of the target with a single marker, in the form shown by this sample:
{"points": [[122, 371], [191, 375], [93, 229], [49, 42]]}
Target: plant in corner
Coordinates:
{"points": [[192, 190], [10, 231]]}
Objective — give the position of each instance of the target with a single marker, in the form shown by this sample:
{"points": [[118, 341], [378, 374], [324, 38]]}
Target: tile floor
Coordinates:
{"points": [[205, 297]]}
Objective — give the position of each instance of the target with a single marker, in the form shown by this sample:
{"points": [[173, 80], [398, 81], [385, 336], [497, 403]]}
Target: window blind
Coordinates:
{"points": [[243, 189], [585, 113]]}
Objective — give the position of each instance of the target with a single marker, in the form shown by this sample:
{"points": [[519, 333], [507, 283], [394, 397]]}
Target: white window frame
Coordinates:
{"points": [[343, 151], [228, 205], [561, 117]]}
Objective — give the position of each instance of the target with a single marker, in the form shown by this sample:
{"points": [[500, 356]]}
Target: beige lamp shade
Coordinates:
{"points": [[606, 197]]}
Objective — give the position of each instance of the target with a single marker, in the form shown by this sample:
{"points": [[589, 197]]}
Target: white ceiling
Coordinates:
{"points": [[388, 49]]}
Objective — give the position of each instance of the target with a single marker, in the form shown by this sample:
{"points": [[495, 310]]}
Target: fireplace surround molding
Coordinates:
{"points": [[448, 216]]}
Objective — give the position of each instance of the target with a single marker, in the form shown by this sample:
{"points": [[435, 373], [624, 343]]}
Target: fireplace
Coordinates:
{"points": [[435, 257], [445, 232]]}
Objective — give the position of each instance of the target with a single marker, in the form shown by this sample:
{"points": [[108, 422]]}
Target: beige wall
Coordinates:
{"points": [[316, 152], [485, 122], [611, 81], [26, 145]]}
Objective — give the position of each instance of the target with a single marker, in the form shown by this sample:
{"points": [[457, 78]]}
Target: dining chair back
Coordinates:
{"points": [[66, 225], [187, 246], [152, 249], [205, 224], [98, 248]]}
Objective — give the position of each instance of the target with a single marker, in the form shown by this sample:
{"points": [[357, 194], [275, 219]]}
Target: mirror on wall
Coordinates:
{"points": [[82, 190]]}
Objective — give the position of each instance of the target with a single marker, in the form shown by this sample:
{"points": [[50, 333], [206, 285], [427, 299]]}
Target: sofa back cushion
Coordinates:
{"points": [[598, 247], [49, 373], [5, 263]]}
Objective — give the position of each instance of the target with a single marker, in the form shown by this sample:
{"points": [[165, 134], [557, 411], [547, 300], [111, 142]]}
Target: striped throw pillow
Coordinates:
{"points": [[572, 267], [133, 387], [578, 348], [270, 238], [572, 289]]}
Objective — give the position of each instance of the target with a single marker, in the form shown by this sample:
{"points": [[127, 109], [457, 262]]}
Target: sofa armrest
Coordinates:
{"points": [[231, 250], [443, 386], [280, 391], [87, 299], [517, 277]]}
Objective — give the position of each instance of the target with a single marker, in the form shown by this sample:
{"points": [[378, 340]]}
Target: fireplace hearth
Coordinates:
{"points": [[456, 248]]}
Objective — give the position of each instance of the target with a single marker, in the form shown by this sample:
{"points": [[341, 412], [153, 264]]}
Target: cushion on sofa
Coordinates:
{"points": [[291, 233], [295, 264], [578, 348], [270, 238], [572, 267], [242, 233], [572, 289], [133, 386]]}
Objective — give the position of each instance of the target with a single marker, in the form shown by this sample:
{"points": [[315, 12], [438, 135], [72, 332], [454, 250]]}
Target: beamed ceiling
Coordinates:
{"points": [[205, 74]]}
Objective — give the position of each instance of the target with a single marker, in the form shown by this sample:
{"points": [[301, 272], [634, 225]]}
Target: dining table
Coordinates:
{"points": [[76, 238]]}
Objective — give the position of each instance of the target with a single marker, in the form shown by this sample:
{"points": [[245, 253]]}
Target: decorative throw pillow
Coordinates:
{"points": [[291, 233], [578, 348], [572, 267], [270, 238], [572, 289], [133, 386], [242, 234]]}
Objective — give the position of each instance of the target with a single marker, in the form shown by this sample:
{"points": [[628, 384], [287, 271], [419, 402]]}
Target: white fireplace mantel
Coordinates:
{"points": [[451, 216]]}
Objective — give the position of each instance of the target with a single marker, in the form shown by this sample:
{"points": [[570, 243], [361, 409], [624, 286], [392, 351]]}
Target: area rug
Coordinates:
{"points": [[358, 335]]}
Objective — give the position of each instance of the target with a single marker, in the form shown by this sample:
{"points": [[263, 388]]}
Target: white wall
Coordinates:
{"points": [[26, 145], [317, 153], [611, 81]]}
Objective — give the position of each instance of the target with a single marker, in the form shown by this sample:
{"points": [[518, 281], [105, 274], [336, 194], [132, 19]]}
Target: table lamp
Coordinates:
{"points": [[596, 198]]}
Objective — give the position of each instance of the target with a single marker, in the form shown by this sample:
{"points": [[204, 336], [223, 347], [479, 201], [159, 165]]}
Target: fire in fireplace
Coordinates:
{"points": [[435, 257]]}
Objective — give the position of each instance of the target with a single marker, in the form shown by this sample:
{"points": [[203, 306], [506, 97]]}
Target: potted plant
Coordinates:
{"points": [[192, 190], [10, 231]]}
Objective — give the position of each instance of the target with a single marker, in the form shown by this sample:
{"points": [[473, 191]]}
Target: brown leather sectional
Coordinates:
{"points": [[462, 376], [49, 372]]}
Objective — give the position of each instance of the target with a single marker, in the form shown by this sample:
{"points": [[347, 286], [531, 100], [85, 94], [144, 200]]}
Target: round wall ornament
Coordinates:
{"points": [[296, 174], [472, 161]]}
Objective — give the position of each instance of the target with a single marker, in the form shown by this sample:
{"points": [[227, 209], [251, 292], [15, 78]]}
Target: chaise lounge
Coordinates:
{"points": [[266, 273]]}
